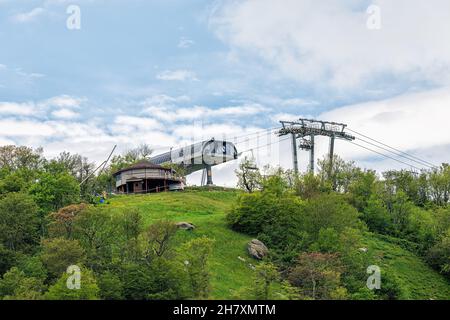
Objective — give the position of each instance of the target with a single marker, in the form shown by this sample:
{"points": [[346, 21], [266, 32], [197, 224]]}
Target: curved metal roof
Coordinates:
{"points": [[142, 165]]}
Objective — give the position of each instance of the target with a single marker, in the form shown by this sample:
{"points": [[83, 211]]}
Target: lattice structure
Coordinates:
{"points": [[306, 129]]}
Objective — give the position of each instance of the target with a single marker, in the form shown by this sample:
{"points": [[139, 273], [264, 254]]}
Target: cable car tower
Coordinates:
{"points": [[305, 130]]}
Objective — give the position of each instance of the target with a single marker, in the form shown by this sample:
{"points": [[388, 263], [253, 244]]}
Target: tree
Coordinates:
{"points": [[15, 285], [438, 256], [159, 279], [88, 288], [111, 287], [439, 182], [59, 253], [329, 211], [249, 177], [62, 222], [362, 189], [96, 232], [309, 186], [266, 274], [376, 216], [19, 222], [318, 275], [8, 258], [130, 226], [340, 175], [13, 158], [54, 191], [197, 254], [158, 238]]}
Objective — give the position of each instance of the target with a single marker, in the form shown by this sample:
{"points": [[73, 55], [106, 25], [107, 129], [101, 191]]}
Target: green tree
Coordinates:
{"points": [[19, 222], [96, 232], [111, 287], [340, 175], [54, 191], [266, 275], [14, 158], [159, 279], [62, 222], [318, 275], [376, 216], [130, 226], [8, 258], [197, 253], [438, 256], [249, 177], [88, 288], [158, 238], [15, 285], [329, 211], [59, 253]]}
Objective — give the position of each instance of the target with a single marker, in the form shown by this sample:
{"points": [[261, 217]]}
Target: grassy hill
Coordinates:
{"points": [[207, 210]]}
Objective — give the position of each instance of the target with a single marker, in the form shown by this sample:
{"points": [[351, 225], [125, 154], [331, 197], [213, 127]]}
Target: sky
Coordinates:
{"points": [[169, 72]]}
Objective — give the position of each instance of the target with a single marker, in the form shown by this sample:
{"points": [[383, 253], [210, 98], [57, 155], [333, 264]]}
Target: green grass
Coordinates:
{"points": [[418, 280], [207, 210]]}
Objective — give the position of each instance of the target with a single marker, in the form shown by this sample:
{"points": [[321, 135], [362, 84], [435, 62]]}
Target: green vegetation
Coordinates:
{"points": [[323, 231]]}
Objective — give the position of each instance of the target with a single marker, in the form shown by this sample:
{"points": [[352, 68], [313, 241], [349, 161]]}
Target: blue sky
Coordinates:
{"points": [[161, 71]]}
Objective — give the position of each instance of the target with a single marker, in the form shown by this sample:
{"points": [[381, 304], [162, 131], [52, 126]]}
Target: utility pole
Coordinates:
{"points": [[209, 181], [311, 128], [331, 155], [294, 152]]}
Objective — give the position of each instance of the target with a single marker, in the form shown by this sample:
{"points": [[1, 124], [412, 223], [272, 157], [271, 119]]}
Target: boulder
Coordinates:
{"points": [[257, 249], [185, 225]]}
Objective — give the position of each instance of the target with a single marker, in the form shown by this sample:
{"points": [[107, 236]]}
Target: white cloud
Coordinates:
{"points": [[204, 113], [328, 43], [177, 75], [20, 109], [416, 123], [65, 114], [62, 101], [19, 128], [28, 16]]}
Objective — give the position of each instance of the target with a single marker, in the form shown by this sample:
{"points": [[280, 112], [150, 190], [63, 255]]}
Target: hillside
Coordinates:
{"points": [[207, 210]]}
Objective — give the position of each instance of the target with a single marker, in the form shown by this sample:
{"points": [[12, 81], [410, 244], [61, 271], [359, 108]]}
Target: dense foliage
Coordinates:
{"points": [[48, 229], [313, 225]]}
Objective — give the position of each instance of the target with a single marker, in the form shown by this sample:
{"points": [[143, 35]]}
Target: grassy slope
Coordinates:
{"points": [[416, 277], [207, 209]]}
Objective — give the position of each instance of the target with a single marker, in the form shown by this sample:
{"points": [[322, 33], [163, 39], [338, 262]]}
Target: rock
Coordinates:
{"points": [[185, 225], [257, 249]]}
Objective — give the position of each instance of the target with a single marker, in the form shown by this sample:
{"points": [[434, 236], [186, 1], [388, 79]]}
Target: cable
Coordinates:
{"points": [[384, 155], [423, 161], [254, 133], [266, 145], [397, 154]]}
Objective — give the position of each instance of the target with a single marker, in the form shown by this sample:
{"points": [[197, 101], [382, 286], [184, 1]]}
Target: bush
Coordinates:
{"points": [[161, 279]]}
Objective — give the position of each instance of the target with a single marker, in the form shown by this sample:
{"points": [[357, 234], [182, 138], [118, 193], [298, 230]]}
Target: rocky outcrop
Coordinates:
{"points": [[257, 249], [185, 225]]}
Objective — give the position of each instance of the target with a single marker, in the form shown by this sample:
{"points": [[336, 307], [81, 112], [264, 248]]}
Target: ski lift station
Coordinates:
{"points": [[151, 176]]}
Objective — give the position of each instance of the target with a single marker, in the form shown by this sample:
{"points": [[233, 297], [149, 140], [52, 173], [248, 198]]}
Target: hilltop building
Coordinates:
{"points": [[146, 177]]}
